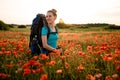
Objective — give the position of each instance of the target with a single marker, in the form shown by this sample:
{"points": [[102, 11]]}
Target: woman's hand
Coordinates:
{"points": [[60, 50]]}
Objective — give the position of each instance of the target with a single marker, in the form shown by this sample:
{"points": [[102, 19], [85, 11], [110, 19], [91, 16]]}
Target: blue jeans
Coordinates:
{"points": [[44, 51]]}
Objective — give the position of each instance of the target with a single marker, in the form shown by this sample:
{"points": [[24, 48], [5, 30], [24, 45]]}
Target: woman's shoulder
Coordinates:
{"points": [[44, 28]]}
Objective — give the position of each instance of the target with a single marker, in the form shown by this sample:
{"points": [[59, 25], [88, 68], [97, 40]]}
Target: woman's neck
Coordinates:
{"points": [[52, 25]]}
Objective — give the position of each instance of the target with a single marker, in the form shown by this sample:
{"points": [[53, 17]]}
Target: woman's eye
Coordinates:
{"points": [[49, 16]]}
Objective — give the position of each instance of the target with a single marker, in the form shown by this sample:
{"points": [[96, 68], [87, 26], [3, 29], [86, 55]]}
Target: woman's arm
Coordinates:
{"points": [[45, 45]]}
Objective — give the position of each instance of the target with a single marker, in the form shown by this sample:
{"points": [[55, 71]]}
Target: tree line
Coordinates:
{"points": [[4, 26]]}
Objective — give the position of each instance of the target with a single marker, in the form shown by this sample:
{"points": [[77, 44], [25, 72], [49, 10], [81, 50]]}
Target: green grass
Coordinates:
{"points": [[27, 29], [71, 29], [77, 29]]}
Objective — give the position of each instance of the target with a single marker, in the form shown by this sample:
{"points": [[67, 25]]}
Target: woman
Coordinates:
{"points": [[50, 44]]}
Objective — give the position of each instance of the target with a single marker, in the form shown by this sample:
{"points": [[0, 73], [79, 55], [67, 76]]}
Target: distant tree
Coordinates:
{"points": [[61, 20], [11, 25], [63, 25], [3, 26], [21, 26], [113, 27]]}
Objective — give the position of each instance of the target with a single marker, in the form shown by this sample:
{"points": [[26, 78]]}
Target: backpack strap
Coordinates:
{"points": [[48, 29], [51, 32]]}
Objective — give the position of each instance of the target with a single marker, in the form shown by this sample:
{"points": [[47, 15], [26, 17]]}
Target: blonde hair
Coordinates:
{"points": [[54, 11]]}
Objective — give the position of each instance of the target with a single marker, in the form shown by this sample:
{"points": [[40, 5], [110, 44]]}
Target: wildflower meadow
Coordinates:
{"points": [[92, 55]]}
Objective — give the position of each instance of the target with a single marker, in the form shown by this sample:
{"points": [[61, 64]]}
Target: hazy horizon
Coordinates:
{"points": [[71, 11]]}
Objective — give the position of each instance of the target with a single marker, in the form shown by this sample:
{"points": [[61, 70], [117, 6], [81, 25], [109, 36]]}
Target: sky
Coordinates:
{"points": [[71, 11]]}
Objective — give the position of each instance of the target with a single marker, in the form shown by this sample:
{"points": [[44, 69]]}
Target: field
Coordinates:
{"points": [[88, 54]]}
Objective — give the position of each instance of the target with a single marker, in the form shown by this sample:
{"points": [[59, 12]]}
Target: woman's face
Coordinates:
{"points": [[50, 18]]}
